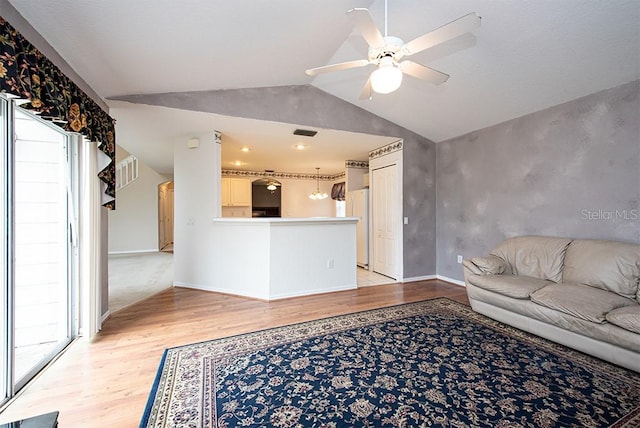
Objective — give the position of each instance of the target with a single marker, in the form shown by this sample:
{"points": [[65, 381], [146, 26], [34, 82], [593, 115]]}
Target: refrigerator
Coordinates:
{"points": [[358, 206]]}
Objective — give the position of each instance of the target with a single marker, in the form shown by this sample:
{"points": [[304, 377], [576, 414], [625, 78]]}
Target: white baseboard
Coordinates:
{"points": [[311, 292], [451, 280], [229, 291], [104, 318], [234, 292], [82, 330], [418, 278], [428, 277], [194, 286], [115, 253]]}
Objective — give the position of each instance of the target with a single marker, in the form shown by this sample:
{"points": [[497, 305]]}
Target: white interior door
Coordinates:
{"points": [[169, 216], [162, 195], [385, 215], [165, 214]]}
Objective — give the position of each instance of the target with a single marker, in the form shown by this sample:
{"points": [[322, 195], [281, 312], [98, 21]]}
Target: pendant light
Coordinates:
{"points": [[317, 195]]}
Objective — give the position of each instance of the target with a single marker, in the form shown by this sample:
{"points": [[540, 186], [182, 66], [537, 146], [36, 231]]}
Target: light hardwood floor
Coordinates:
{"points": [[106, 382]]}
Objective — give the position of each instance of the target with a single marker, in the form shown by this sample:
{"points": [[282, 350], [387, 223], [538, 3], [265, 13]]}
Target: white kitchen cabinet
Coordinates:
{"points": [[236, 192]]}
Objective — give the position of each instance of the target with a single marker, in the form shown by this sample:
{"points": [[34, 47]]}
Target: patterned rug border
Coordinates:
{"points": [[270, 337]]}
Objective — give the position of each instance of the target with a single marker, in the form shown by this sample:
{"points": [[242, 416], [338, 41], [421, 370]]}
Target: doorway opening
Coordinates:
{"points": [[165, 216], [266, 198]]}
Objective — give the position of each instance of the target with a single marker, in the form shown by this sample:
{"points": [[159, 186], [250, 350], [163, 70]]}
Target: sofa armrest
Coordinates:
{"points": [[490, 265]]}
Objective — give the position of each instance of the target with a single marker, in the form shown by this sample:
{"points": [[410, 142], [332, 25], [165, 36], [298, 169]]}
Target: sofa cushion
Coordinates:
{"points": [[627, 317], [535, 256], [490, 265], [518, 287], [588, 303], [609, 265]]}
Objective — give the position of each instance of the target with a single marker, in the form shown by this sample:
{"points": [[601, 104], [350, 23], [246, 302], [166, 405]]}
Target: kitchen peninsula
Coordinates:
{"points": [[275, 258]]}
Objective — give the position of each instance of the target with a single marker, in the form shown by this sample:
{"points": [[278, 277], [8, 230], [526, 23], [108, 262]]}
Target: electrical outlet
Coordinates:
{"points": [[406, 220], [459, 258], [330, 264]]}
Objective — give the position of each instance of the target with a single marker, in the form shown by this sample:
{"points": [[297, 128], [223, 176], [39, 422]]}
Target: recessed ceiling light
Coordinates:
{"points": [[237, 163], [300, 146], [245, 149]]}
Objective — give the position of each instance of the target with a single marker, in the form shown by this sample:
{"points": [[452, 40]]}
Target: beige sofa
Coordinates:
{"points": [[581, 293]]}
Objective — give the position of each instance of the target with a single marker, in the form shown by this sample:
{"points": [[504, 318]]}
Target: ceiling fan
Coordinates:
{"points": [[387, 52], [272, 185]]}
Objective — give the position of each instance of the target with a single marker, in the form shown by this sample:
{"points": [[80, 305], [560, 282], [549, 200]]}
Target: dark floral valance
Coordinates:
{"points": [[337, 191], [26, 73]]}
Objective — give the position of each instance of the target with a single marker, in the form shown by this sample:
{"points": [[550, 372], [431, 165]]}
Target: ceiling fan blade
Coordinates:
{"points": [[367, 92], [336, 67], [448, 31], [364, 23], [421, 72]]}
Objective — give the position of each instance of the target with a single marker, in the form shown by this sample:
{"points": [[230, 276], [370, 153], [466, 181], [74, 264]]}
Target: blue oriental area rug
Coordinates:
{"points": [[425, 364]]}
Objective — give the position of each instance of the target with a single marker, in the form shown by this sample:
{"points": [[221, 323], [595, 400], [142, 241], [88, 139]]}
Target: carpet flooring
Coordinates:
{"points": [[134, 277], [431, 363]]}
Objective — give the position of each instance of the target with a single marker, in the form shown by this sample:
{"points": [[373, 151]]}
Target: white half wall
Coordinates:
{"points": [[275, 258], [312, 258]]}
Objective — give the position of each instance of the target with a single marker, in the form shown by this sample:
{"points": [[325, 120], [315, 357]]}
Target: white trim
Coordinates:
{"points": [[105, 316], [234, 292], [418, 278], [194, 286], [317, 291], [153, 250], [227, 291], [440, 277], [451, 280]]}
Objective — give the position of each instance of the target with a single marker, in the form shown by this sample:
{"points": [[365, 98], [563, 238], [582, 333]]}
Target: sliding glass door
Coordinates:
{"points": [[39, 297]]}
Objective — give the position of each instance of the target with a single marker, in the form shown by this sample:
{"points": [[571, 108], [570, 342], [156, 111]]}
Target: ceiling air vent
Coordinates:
{"points": [[305, 132]]}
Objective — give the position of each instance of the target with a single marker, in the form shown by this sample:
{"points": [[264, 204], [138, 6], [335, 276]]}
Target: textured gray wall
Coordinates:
{"points": [[419, 205], [571, 170], [307, 105]]}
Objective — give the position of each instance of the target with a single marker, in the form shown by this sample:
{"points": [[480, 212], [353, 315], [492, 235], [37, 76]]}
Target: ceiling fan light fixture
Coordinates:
{"points": [[387, 78]]}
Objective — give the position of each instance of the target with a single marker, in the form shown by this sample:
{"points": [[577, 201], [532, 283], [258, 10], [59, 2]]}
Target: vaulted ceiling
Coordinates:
{"points": [[526, 56]]}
